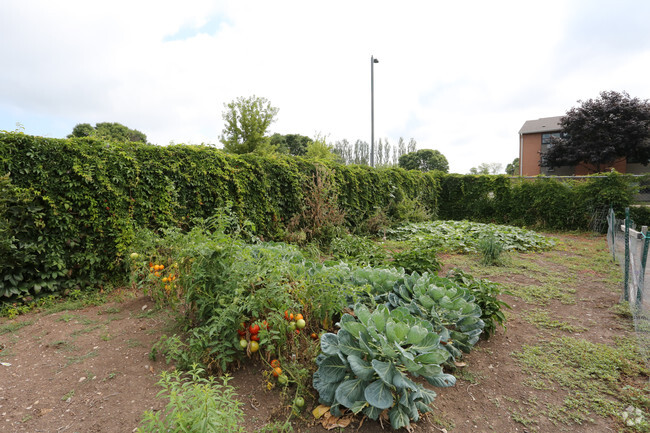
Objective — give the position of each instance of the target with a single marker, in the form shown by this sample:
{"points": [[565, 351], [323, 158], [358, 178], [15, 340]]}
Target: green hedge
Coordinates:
{"points": [[71, 208]]}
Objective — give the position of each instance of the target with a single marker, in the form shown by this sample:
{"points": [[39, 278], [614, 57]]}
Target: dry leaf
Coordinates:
{"points": [[320, 410], [460, 364], [331, 422]]}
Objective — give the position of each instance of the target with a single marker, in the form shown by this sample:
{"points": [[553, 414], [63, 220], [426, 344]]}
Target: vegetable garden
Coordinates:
{"points": [[271, 260]]}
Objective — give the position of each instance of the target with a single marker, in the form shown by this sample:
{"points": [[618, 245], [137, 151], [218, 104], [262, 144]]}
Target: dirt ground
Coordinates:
{"points": [[89, 370]]}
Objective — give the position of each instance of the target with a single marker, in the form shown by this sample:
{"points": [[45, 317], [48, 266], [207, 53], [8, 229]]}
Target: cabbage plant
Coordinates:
{"points": [[369, 364]]}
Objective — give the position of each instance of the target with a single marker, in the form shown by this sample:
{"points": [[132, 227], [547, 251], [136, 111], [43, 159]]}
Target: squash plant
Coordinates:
{"points": [[449, 308], [366, 366]]}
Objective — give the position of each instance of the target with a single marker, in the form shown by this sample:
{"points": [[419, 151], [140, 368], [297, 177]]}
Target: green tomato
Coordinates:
{"points": [[292, 326], [134, 256], [243, 343], [283, 379], [299, 402], [300, 324]]}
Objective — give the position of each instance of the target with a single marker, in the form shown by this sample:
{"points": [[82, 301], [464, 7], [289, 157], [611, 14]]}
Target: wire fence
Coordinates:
{"points": [[629, 245]]}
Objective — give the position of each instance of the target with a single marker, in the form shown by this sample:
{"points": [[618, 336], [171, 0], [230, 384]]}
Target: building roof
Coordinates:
{"points": [[545, 124]]}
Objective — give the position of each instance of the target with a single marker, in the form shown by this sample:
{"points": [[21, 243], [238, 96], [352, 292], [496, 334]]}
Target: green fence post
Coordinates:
{"points": [[626, 295]]}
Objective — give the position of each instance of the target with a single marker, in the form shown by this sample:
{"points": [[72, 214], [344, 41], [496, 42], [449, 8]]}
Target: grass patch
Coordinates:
{"points": [[594, 374], [86, 330], [542, 295], [10, 328], [542, 319]]}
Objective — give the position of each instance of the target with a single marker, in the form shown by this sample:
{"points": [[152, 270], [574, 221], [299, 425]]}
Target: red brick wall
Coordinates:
{"points": [[530, 154]]}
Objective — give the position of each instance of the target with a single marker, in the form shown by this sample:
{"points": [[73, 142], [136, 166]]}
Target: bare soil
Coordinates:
{"points": [[89, 370]]}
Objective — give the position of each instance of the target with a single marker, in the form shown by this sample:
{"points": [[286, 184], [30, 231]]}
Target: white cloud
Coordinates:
{"points": [[458, 77]]}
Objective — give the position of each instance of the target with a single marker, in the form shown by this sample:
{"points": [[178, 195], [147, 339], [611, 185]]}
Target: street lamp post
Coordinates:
{"points": [[372, 110]]}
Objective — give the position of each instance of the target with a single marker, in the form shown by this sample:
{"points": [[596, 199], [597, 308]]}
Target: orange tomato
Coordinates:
{"points": [[277, 371], [299, 316], [275, 363]]}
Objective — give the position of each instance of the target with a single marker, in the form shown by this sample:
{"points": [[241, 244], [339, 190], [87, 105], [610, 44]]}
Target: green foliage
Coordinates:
{"points": [[88, 199], [485, 294], [108, 131], [449, 307], [357, 250], [491, 251], [512, 169], [293, 144], [195, 404], [465, 236], [424, 160], [321, 219], [246, 123], [366, 366], [418, 258]]}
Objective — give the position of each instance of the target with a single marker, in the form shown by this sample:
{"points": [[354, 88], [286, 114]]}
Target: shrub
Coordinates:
{"points": [[491, 251]]}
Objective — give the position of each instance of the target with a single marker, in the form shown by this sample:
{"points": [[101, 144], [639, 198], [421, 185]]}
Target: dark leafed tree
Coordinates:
{"points": [[246, 123], [424, 160], [601, 131], [293, 144], [109, 131]]}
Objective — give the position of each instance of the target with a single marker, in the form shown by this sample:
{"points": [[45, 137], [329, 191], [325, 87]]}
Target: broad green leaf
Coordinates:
{"points": [[400, 314], [363, 314], [379, 395], [428, 343], [443, 380], [362, 369], [416, 334], [422, 407], [379, 318], [348, 345], [365, 344], [436, 293], [353, 327], [385, 370], [332, 369], [427, 396], [429, 370], [426, 301], [329, 344], [396, 331], [325, 389], [350, 391], [400, 381], [372, 412], [398, 417], [358, 406], [436, 356]]}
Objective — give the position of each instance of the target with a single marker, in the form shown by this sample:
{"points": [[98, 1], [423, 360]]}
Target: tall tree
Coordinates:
{"points": [[602, 130], [108, 131], [424, 160], [486, 168], [246, 123], [513, 168], [293, 144]]}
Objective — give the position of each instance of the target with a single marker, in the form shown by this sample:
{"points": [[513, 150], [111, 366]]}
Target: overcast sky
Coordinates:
{"points": [[457, 76]]}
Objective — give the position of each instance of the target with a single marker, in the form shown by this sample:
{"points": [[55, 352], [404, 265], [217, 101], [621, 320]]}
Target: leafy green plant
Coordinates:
{"points": [[491, 251], [357, 250], [448, 307], [418, 259], [485, 294], [465, 236], [366, 366], [195, 404]]}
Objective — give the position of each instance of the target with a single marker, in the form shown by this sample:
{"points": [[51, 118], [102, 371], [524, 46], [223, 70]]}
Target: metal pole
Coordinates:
{"points": [[372, 111], [626, 282], [644, 259]]}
